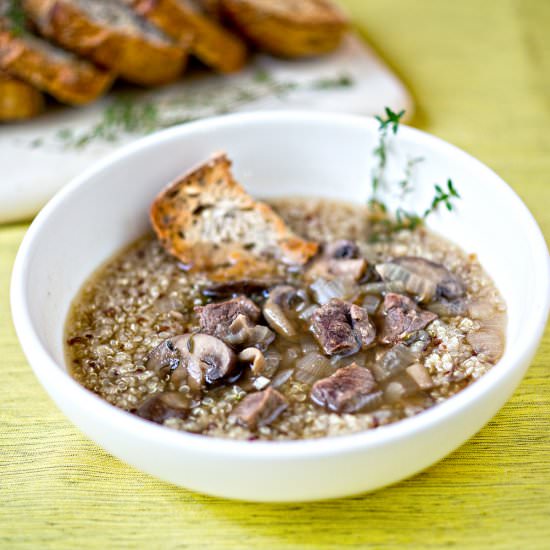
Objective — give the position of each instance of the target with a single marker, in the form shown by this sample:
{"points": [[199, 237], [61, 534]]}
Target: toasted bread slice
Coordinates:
{"points": [[288, 28], [207, 221], [111, 35], [212, 44], [18, 100], [50, 69]]}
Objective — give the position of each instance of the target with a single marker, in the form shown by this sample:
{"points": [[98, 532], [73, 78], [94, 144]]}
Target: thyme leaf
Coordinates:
{"points": [[443, 197]]}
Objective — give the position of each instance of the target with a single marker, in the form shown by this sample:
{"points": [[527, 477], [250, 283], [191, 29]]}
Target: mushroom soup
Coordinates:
{"points": [[357, 333]]}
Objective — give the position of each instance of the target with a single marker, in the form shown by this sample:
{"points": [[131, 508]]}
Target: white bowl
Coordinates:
{"points": [[284, 153]]}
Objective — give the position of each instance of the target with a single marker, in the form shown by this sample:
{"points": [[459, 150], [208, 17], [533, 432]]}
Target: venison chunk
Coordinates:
{"points": [[215, 319], [348, 390], [260, 408], [342, 328], [401, 317]]}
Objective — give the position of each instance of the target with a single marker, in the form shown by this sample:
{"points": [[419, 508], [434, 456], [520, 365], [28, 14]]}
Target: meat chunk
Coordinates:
{"points": [[215, 319], [342, 328], [243, 333], [348, 390], [363, 326], [260, 408], [402, 317]]}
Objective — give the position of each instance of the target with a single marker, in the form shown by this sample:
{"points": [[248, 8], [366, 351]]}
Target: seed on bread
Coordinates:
{"points": [[207, 221], [112, 35], [48, 68], [288, 28], [179, 19], [18, 100]]}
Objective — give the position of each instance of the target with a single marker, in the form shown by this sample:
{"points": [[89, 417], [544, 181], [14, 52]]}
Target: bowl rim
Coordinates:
{"points": [[44, 365]]}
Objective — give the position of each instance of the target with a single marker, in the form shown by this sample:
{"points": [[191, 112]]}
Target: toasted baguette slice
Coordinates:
{"points": [[212, 44], [207, 221], [50, 69], [18, 100], [112, 35], [288, 28]]}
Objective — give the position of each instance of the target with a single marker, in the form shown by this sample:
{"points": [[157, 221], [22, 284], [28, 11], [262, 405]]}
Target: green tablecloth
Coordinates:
{"points": [[480, 73]]}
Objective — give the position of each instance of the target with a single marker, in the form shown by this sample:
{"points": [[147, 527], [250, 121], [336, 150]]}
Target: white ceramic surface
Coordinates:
{"points": [[276, 154], [31, 175]]}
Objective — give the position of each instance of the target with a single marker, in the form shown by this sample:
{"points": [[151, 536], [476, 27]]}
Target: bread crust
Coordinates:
{"points": [[70, 80], [208, 221], [281, 29], [136, 57], [18, 100], [180, 19]]}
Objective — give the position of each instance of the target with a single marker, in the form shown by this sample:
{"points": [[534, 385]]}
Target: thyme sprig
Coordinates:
{"points": [[383, 222], [381, 151], [16, 17], [130, 114]]}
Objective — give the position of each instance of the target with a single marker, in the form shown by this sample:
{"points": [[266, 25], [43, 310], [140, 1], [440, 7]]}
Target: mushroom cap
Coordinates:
{"points": [[201, 359], [165, 405], [278, 306]]}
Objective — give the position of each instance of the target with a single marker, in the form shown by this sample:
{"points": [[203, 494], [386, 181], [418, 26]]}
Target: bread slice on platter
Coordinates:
{"points": [[288, 28], [18, 100], [112, 35], [209, 222], [47, 68], [179, 19]]}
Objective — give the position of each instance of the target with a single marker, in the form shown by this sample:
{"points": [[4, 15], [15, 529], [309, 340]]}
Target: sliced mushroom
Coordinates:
{"points": [[255, 358], [162, 406], [280, 306], [422, 278], [339, 259], [164, 359], [242, 332], [343, 249], [260, 408], [401, 317], [215, 319], [201, 359], [350, 389]]}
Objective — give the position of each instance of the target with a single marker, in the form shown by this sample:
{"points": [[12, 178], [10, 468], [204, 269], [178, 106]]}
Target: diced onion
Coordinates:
{"points": [[324, 291], [312, 367], [393, 362]]}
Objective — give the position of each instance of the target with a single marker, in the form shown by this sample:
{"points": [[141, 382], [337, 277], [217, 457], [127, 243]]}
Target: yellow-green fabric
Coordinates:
{"points": [[480, 74]]}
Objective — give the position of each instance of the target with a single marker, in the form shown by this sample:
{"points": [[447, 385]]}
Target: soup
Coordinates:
{"points": [[364, 333]]}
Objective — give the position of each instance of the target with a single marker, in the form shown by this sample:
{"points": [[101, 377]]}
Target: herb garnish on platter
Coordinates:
{"points": [[135, 114], [384, 223], [16, 17]]}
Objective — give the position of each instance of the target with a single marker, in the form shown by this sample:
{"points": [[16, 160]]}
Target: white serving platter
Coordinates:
{"points": [[38, 157]]}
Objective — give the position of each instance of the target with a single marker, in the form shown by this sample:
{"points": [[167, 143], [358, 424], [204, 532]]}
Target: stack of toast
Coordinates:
{"points": [[73, 50]]}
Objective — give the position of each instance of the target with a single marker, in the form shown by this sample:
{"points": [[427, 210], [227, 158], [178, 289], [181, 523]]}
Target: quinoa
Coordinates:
{"points": [[143, 296]]}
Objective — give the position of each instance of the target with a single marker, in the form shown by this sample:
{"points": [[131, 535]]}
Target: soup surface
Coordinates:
{"points": [[367, 333]]}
